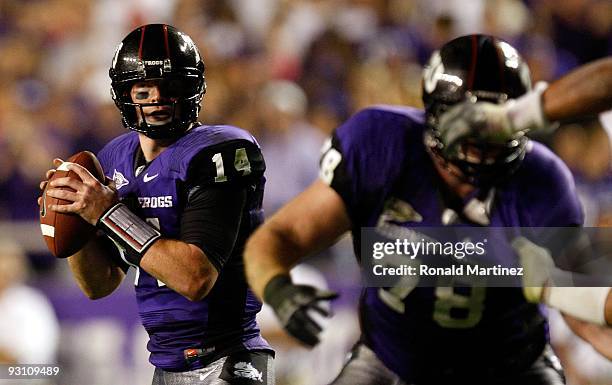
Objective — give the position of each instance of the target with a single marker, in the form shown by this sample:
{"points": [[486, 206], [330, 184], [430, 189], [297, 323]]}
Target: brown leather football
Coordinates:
{"points": [[65, 234]]}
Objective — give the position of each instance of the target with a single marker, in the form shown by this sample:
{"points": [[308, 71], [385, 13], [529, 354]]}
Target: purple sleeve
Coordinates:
{"points": [[235, 162], [548, 192], [366, 154], [344, 163]]}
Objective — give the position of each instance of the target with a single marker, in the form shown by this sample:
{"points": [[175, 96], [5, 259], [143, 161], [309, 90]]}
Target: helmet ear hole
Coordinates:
{"points": [[159, 51]]}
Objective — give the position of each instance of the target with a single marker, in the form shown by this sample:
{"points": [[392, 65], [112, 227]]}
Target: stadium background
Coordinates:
{"points": [[287, 70]]}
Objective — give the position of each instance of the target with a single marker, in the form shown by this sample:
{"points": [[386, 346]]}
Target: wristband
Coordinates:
{"points": [[130, 232], [526, 112], [585, 303]]}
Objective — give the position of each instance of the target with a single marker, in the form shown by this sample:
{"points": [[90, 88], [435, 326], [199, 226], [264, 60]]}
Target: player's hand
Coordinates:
{"points": [[480, 120], [292, 303], [538, 266], [48, 175], [90, 198]]}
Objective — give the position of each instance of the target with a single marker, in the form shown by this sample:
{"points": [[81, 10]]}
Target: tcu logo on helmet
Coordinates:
{"points": [[432, 72]]}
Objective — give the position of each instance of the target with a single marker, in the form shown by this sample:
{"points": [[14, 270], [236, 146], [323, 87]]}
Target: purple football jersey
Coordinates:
{"points": [[224, 321], [381, 156]]}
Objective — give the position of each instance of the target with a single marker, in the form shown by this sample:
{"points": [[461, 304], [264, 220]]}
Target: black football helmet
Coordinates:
{"points": [[158, 52], [475, 68]]}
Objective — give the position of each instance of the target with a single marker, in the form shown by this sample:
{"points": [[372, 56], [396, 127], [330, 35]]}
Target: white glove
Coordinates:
{"points": [[538, 266], [496, 123], [481, 120], [539, 271]]}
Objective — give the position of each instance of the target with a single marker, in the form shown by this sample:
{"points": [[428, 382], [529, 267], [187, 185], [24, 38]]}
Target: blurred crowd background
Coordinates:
{"points": [[287, 70]]}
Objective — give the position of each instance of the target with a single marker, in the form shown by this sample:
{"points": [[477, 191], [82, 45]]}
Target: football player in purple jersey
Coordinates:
{"points": [[183, 200], [585, 91], [390, 159]]}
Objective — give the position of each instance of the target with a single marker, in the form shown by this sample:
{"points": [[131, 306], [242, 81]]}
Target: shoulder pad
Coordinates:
{"points": [[218, 154], [202, 137], [117, 147], [379, 140], [371, 151], [543, 177]]}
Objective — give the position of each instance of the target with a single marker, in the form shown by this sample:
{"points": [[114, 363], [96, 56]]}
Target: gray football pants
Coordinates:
{"points": [[364, 368], [245, 368]]}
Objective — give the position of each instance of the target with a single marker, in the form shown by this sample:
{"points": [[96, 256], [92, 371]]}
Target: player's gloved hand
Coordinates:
{"points": [[291, 304], [538, 266], [496, 123], [480, 120]]}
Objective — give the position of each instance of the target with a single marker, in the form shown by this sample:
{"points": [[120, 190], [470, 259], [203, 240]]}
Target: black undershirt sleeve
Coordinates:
{"points": [[211, 220]]}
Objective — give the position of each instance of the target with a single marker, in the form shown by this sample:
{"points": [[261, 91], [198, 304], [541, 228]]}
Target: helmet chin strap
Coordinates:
{"points": [[477, 205], [170, 130], [446, 165], [166, 131], [476, 209]]}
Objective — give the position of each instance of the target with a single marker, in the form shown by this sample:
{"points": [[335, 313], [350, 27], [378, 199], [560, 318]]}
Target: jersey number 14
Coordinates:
{"points": [[241, 163]]}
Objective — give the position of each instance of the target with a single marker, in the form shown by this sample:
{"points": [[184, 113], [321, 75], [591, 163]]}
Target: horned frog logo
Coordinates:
{"points": [[119, 179], [246, 370]]}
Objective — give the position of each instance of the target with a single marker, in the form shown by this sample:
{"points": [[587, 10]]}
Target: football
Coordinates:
{"points": [[65, 234]]}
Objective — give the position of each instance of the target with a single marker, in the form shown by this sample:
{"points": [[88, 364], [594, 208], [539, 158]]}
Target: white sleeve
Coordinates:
{"points": [[585, 303]]}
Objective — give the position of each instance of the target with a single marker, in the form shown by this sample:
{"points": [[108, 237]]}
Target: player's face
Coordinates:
{"points": [[478, 155], [152, 91], [475, 163]]}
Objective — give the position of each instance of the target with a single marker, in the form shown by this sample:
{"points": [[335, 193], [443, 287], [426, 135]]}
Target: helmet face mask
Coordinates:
{"points": [[161, 54], [485, 163], [475, 68]]}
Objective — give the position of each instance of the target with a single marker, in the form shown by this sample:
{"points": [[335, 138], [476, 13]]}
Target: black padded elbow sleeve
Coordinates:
{"points": [[211, 220]]}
